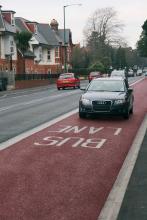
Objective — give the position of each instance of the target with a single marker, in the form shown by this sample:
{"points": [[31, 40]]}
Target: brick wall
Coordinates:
{"points": [[23, 84]]}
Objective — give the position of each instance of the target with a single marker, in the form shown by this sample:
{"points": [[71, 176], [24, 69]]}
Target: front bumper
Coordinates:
{"points": [[65, 85], [113, 110]]}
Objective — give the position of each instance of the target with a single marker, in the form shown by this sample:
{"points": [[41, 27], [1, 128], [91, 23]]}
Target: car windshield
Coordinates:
{"points": [[66, 76], [107, 85]]}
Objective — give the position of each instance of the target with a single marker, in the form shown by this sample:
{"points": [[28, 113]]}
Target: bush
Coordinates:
{"points": [[98, 66]]}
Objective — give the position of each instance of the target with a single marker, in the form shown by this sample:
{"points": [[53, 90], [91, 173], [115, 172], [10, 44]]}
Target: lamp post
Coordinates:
{"points": [[65, 55]]}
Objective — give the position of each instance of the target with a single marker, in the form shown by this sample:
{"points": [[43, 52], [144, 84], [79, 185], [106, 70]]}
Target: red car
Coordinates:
{"points": [[94, 75], [68, 80]]}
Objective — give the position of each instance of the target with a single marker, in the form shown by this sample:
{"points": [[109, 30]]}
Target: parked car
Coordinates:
{"points": [[94, 75], [139, 72], [68, 80], [107, 96], [130, 73]]}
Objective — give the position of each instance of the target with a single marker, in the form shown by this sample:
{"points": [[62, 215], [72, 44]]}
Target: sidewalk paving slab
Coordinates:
{"points": [[134, 206]]}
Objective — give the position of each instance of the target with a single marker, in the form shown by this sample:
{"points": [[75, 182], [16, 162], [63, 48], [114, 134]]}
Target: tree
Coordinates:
{"points": [[120, 58], [105, 25], [79, 58], [102, 32], [142, 43], [22, 40]]}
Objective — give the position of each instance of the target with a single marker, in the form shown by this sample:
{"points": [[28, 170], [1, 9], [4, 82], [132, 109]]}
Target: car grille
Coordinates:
{"points": [[101, 105]]}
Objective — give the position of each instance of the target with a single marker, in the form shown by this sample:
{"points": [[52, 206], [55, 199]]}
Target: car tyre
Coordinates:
{"points": [[82, 115], [126, 114], [131, 110], [58, 88]]}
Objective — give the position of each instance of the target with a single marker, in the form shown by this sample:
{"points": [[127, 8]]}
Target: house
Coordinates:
{"points": [[47, 51], [8, 51], [47, 45]]}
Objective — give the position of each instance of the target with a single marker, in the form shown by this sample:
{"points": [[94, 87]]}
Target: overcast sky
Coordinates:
{"points": [[132, 13]]}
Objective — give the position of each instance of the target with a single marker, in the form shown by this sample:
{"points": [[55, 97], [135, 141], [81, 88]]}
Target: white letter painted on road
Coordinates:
{"points": [[94, 143]]}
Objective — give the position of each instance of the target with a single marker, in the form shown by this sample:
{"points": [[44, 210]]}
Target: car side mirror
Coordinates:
{"points": [[130, 90]]}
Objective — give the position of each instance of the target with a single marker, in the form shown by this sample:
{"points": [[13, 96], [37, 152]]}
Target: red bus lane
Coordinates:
{"points": [[67, 170]]}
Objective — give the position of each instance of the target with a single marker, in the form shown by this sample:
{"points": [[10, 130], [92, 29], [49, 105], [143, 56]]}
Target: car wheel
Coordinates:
{"points": [[131, 110], [126, 114], [82, 115], [58, 88]]}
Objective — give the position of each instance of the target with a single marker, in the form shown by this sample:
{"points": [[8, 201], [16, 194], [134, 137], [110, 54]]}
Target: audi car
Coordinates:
{"points": [[107, 96], [68, 80]]}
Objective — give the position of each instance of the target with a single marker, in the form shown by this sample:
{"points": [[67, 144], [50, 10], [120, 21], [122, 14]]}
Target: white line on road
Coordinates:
{"points": [[36, 100], [34, 130], [112, 206]]}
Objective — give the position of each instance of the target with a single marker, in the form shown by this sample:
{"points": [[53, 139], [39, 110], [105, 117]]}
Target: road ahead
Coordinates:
{"points": [[26, 109], [67, 170]]}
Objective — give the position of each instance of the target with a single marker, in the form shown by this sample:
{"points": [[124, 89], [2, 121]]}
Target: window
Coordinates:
{"points": [[12, 20], [48, 55], [11, 47], [35, 28], [40, 53], [57, 52]]}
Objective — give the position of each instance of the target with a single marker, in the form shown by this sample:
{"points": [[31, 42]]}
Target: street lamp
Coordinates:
{"points": [[65, 57]]}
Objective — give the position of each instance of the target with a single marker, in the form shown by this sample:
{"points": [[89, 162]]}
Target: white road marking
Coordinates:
{"points": [[14, 140], [35, 101], [112, 206]]}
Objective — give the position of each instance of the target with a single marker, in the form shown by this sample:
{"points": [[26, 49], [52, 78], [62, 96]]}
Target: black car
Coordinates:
{"points": [[107, 96]]}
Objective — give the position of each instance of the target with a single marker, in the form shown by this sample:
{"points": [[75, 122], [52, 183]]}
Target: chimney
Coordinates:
{"points": [[54, 25]]}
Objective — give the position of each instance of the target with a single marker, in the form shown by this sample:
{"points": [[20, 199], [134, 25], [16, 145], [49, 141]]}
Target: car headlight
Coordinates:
{"points": [[119, 101], [86, 101]]}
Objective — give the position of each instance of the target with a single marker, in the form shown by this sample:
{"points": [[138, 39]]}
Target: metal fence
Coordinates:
{"points": [[8, 79], [37, 76]]}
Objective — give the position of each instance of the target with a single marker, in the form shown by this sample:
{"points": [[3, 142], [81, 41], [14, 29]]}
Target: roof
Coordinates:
{"points": [[44, 34], [1, 22], [5, 26], [9, 28], [67, 34], [29, 54], [48, 34], [20, 24]]}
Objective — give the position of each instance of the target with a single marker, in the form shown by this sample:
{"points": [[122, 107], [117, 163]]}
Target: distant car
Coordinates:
{"points": [[68, 80], [107, 96], [118, 73], [94, 75], [130, 73], [139, 72]]}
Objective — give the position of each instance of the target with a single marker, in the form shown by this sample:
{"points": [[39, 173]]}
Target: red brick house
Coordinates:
{"points": [[46, 54], [47, 45]]}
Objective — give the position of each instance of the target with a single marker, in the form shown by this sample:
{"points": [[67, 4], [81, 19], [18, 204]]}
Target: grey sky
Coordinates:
{"points": [[132, 13]]}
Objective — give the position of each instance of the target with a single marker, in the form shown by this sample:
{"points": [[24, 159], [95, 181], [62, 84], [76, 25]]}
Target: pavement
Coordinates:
{"points": [[134, 205]]}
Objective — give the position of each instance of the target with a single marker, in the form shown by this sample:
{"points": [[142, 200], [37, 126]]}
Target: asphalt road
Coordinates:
{"points": [[25, 109], [67, 169]]}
